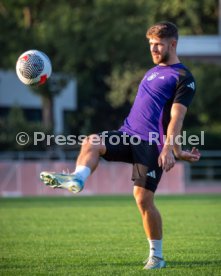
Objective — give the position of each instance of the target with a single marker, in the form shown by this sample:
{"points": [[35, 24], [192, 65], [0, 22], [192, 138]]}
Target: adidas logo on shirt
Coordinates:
{"points": [[161, 77], [152, 174], [191, 85]]}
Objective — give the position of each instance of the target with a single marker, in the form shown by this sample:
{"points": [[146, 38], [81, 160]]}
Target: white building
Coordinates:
{"points": [[206, 48], [15, 93], [202, 47]]}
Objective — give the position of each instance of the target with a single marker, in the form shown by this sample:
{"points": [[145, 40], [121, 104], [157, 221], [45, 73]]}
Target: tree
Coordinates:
{"points": [[102, 43], [47, 92], [13, 125], [27, 25]]}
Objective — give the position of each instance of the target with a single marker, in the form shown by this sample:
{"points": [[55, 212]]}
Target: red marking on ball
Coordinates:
{"points": [[25, 58], [43, 79]]}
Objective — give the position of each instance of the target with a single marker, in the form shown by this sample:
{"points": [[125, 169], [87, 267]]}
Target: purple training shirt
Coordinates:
{"points": [[159, 89]]}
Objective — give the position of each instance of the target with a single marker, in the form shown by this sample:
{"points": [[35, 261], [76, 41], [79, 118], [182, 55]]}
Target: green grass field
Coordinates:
{"points": [[104, 236]]}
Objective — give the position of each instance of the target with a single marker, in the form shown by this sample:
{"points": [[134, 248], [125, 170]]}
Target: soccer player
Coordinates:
{"points": [[163, 96]]}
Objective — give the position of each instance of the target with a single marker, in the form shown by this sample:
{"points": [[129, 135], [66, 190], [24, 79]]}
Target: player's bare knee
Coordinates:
{"points": [[144, 199], [93, 143]]}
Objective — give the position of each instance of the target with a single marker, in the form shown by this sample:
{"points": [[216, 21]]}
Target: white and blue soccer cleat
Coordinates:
{"points": [[154, 263], [71, 182]]}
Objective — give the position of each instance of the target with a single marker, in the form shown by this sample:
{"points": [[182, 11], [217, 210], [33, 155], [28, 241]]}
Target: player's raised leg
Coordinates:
{"points": [[92, 148]]}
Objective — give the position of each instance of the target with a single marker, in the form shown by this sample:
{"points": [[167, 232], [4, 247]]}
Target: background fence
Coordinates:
{"points": [[20, 177]]}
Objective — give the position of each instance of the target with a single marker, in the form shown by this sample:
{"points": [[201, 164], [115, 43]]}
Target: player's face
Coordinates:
{"points": [[160, 50]]}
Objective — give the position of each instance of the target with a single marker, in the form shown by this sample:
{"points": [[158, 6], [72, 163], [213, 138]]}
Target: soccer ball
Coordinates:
{"points": [[33, 67]]}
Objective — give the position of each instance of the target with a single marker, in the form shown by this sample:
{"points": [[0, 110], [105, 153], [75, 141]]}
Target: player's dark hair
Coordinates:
{"points": [[163, 30]]}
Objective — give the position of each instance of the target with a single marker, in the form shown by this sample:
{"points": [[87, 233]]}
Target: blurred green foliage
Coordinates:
{"points": [[13, 125], [102, 44]]}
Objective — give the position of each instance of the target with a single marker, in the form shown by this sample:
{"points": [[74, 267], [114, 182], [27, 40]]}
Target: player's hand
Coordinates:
{"points": [[189, 156], [166, 159]]}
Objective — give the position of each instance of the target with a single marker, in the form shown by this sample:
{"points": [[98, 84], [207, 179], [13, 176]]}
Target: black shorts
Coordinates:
{"points": [[122, 147]]}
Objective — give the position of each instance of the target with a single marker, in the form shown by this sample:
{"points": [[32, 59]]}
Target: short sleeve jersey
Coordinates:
{"points": [[159, 89]]}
